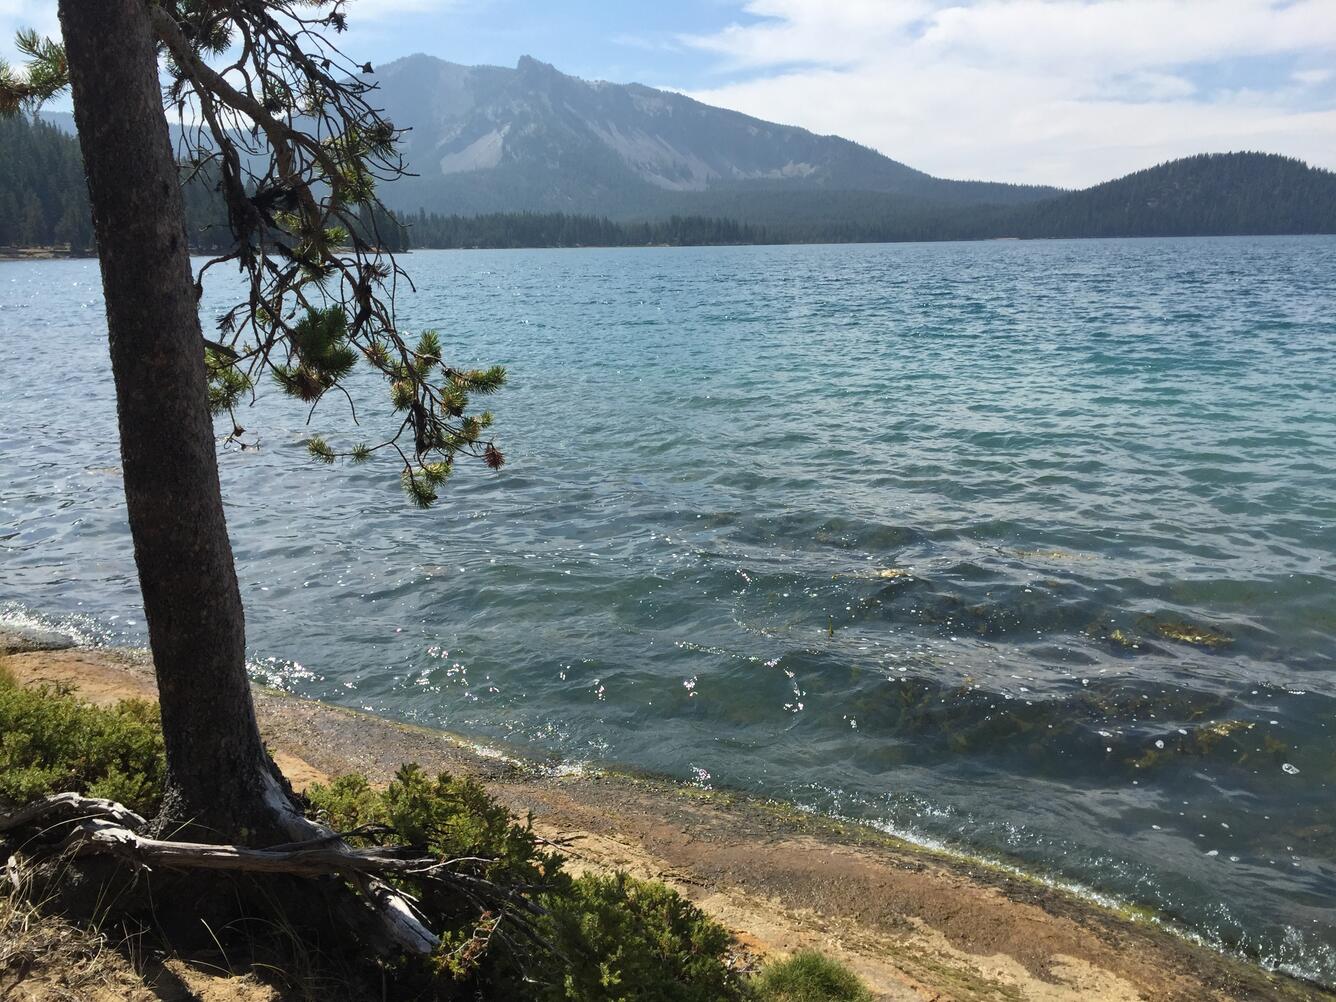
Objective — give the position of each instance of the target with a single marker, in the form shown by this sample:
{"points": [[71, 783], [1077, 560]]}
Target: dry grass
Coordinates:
{"points": [[47, 958], [44, 958]]}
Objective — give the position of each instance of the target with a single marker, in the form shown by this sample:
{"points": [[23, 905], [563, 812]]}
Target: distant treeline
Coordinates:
{"points": [[1211, 194], [555, 229], [43, 199], [1205, 195], [43, 202]]}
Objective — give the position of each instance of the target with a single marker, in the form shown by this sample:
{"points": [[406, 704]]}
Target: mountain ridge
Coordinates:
{"points": [[531, 138], [626, 163]]}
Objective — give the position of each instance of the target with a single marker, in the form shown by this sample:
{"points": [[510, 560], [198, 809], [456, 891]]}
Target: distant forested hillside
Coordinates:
{"points": [[43, 202], [1206, 195], [555, 229], [1213, 194]]}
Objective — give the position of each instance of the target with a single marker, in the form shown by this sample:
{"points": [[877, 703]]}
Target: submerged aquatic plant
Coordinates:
{"points": [[895, 573], [1188, 633]]}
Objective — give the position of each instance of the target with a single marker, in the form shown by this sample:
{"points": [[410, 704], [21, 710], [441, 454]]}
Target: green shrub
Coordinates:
{"points": [[603, 939], [628, 940], [456, 820], [448, 817], [808, 976], [51, 742]]}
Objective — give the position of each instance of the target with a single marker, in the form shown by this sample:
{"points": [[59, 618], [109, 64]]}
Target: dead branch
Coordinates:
{"points": [[70, 807], [317, 858]]}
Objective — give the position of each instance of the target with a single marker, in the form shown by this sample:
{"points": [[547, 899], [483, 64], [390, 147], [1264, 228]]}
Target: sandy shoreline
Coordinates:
{"points": [[915, 924]]}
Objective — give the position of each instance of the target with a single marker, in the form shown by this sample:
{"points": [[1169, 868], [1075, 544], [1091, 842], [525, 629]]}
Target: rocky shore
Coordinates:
{"points": [[915, 924]]}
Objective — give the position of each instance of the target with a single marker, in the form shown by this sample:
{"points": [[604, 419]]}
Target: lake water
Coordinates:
{"points": [[1024, 548]]}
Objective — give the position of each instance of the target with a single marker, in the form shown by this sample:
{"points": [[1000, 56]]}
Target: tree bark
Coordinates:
{"points": [[219, 775]]}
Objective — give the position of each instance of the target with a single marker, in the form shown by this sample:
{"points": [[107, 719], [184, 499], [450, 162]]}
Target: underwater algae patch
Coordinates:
{"points": [[1164, 628], [1186, 633], [1215, 739], [894, 573]]}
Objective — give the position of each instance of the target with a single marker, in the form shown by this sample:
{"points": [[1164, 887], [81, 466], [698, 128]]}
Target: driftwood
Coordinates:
{"points": [[81, 826]]}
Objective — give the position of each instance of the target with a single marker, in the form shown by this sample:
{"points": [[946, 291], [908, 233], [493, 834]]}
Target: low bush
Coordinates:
{"points": [[590, 939], [499, 863], [51, 742], [808, 976], [629, 940]]}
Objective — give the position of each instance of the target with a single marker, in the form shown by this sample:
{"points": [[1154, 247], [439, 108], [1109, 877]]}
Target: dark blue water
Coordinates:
{"points": [[1025, 548]]}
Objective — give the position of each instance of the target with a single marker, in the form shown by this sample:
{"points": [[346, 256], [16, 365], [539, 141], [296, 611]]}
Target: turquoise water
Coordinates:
{"points": [[909, 533]]}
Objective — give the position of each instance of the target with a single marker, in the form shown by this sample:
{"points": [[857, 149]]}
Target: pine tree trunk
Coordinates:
{"points": [[219, 776]]}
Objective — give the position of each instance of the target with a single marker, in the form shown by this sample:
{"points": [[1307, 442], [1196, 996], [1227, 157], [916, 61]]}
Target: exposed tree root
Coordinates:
{"points": [[81, 826]]}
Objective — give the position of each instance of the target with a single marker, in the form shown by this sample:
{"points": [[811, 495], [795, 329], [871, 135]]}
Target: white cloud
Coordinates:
{"points": [[1311, 78], [1056, 91]]}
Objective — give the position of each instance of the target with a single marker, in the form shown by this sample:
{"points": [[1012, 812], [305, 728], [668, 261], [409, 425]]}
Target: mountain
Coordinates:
{"points": [[533, 157], [492, 139], [488, 139]]}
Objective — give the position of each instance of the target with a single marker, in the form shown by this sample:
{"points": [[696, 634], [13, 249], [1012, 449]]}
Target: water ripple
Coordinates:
{"points": [[1024, 548]]}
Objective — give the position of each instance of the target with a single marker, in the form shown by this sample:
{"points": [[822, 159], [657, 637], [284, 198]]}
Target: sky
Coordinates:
{"points": [[1062, 92]]}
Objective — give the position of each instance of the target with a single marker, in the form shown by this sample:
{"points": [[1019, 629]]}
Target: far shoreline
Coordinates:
{"points": [[64, 254]]}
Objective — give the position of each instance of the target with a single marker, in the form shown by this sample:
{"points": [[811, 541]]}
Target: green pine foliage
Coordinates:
{"points": [[227, 383], [44, 75], [450, 817], [808, 976], [320, 450], [52, 742], [595, 939], [321, 355], [458, 822], [592, 939]]}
